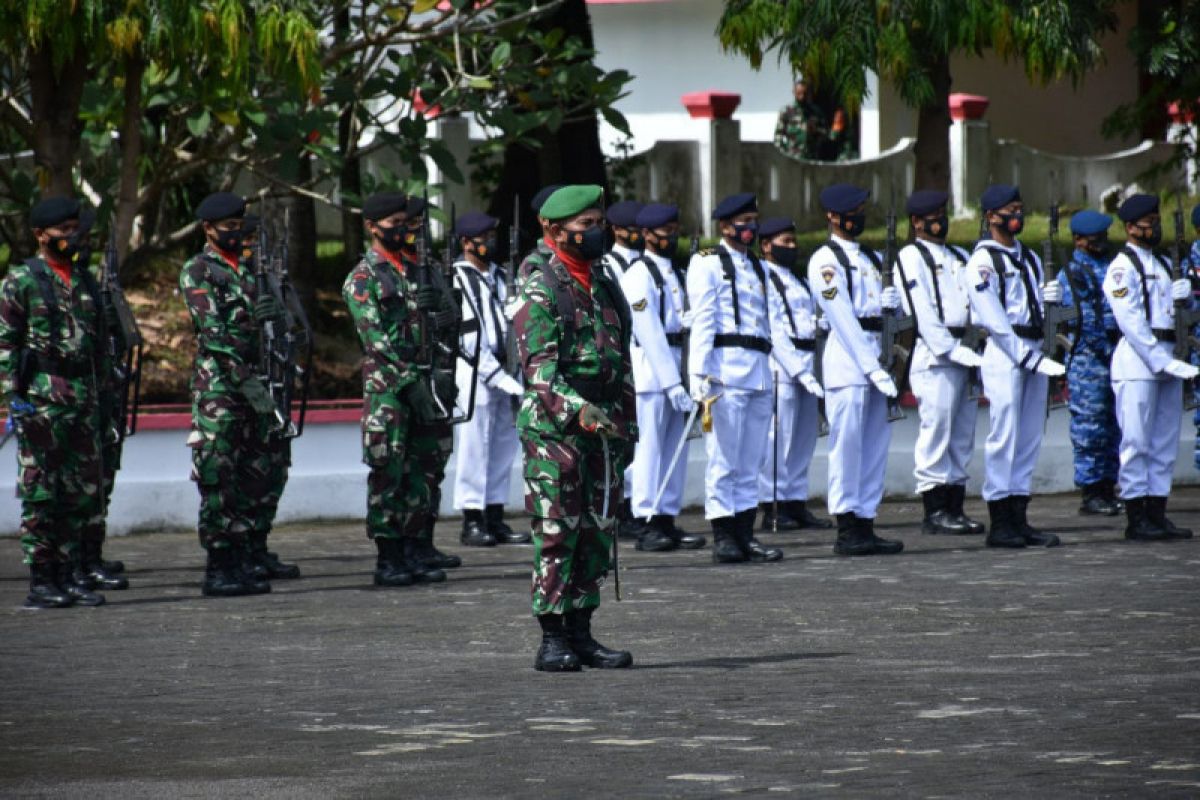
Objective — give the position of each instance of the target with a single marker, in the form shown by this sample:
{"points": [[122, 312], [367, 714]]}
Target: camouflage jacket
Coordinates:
{"points": [[538, 257], [383, 305], [596, 368], [221, 301], [1082, 280], [792, 134], [64, 337]]}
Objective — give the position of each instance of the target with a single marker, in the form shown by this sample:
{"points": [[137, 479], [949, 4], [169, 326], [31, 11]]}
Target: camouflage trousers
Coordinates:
{"points": [[407, 461], [240, 465], [58, 480], [572, 542], [1095, 437], [96, 528]]}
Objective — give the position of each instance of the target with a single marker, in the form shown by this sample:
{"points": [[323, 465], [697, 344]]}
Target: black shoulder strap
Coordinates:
{"points": [[620, 259], [659, 284], [787, 308], [927, 257], [1027, 258], [617, 298], [564, 304], [45, 284], [1141, 269], [731, 276], [958, 253], [681, 276], [999, 268], [760, 271], [844, 260]]}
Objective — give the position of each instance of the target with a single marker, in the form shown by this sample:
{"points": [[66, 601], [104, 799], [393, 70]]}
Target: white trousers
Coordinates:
{"points": [[1016, 424], [487, 446], [946, 436], [859, 436], [660, 427], [741, 420], [1148, 413], [796, 442]]}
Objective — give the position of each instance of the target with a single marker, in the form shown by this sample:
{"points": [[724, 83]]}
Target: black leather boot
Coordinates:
{"points": [[500, 530], [80, 590], [879, 545], [1096, 502], [555, 653], [91, 566], [390, 566], [798, 510], [1003, 533], [957, 495], [685, 540], [656, 537], [726, 547], [939, 520], [254, 575], [1156, 510], [590, 652], [474, 529], [755, 550], [1110, 491], [1138, 527], [1033, 536], [420, 571], [852, 538], [429, 554], [268, 563], [44, 590], [628, 526], [785, 523], [223, 574]]}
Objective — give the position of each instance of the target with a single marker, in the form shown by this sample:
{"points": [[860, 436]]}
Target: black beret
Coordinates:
{"points": [[220, 205], [1196, 216], [474, 223], [384, 204], [543, 195], [998, 195], [250, 224], [52, 211], [1137, 206], [843, 197], [416, 206], [624, 214], [774, 226], [1089, 222], [925, 201], [654, 215], [735, 204]]}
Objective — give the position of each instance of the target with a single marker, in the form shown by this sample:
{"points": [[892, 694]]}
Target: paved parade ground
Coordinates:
{"points": [[949, 671]]}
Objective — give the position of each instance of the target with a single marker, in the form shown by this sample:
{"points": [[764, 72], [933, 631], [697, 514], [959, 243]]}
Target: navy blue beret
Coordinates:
{"points": [[841, 198], [998, 195], [543, 195], [1089, 222], [474, 223], [773, 226], [1196, 216], [735, 204], [623, 214], [52, 211], [416, 206], [250, 224], [384, 204], [654, 215], [220, 205], [925, 201], [1137, 206]]}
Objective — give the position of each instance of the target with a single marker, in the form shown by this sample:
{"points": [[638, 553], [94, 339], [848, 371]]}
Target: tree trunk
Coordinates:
{"points": [[54, 109], [932, 149], [302, 239], [131, 154]]}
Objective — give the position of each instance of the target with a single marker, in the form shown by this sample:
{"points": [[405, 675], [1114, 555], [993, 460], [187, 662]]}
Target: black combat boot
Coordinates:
{"points": [[390, 567], [656, 537], [500, 530], [1003, 533], [44, 590], [957, 494], [474, 529], [268, 563], [590, 652], [1156, 510], [785, 522], [939, 519], [1033, 536], [1096, 502], [429, 554], [420, 571], [223, 574], [685, 540], [726, 547], [77, 585], [798, 510], [1139, 527], [254, 575], [555, 654], [755, 550], [879, 545], [852, 538], [91, 567], [1110, 491], [628, 526]]}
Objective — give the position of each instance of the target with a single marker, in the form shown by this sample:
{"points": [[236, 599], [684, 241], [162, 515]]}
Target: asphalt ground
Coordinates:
{"points": [[948, 671]]}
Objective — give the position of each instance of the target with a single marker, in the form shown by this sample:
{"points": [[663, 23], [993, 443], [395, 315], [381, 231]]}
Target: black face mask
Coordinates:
{"points": [[744, 232], [783, 256], [481, 249], [65, 247], [1012, 223], [1152, 238], [1098, 247], [228, 241], [393, 238], [664, 245], [937, 227], [853, 224], [632, 240], [589, 244]]}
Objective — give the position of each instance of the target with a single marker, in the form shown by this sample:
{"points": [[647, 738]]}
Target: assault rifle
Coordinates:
{"points": [[893, 356], [1055, 316], [124, 344], [1186, 314]]}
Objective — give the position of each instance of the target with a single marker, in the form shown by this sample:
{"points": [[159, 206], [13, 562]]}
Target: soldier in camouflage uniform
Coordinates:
{"points": [[573, 336], [540, 255], [238, 455], [51, 328], [800, 131], [1094, 432]]}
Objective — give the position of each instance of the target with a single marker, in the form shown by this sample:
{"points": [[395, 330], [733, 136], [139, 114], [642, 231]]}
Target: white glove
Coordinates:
{"points": [[1052, 293], [685, 318], [1181, 289], [810, 384], [509, 385], [511, 308], [823, 323], [1180, 369], [889, 298], [883, 382], [680, 399], [701, 386], [1050, 368], [965, 356]]}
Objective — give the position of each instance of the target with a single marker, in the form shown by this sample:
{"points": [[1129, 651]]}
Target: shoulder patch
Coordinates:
{"points": [[828, 274], [1118, 276], [829, 293], [707, 251], [1119, 293], [640, 305]]}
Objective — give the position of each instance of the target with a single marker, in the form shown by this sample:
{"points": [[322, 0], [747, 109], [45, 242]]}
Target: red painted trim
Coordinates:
{"points": [[967, 106], [711, 104]]}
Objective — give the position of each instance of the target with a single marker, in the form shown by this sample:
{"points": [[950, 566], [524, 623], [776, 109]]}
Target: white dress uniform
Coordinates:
{"points": [[656, 303], [849, 298], [1004, 287], [934, 292], [614, 264], [1149, 401], [487, 443], [797, 411]]}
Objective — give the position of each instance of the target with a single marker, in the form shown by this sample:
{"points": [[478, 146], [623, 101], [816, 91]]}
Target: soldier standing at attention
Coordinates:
{"points": [[577, 425], [800, 130], [234, 437], [539, 256], [627, 237], [51, 328], [729, 346], [488, 443], [1095, 436], [931, 273], [847, 278], [1147, 378], [1003, 279]]}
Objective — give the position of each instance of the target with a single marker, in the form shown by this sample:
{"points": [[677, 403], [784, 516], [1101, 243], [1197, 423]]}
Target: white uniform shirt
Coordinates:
{"points": [[655, 313], [483, 298], [797, 320], [1018, 307], [619, 259], [1139, 356], [711, 297], [850, 353], [937, 298]]}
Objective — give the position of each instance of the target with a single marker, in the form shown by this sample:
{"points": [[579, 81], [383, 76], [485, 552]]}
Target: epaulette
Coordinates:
{"points": [[708, 251]]}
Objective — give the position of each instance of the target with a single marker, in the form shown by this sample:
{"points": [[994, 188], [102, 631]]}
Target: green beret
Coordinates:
{"points": [[571, 200]]}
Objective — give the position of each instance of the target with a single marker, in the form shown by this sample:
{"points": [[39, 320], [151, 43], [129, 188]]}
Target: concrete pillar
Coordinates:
{"points": [[720, 152], [454, 133], [970, 151]]}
